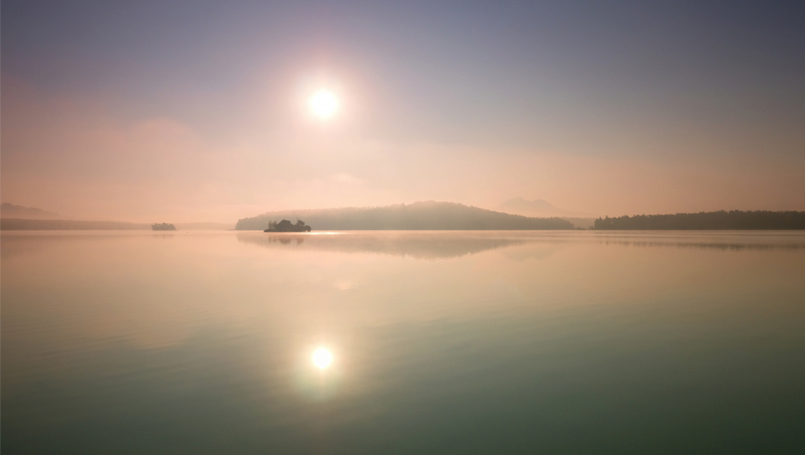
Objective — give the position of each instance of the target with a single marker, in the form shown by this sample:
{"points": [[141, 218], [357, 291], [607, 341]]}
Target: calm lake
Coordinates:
{"points": [[440, 342]]}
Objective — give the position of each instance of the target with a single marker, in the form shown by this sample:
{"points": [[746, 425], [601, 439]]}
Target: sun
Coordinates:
{"points": [[322, 358], [324, 104]]}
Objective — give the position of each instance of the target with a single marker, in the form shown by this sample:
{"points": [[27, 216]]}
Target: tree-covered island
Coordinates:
{"points": [[287, 226]]}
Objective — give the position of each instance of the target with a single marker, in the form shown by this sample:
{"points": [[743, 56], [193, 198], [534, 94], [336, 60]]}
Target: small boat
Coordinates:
{"points": [[163, 227]]}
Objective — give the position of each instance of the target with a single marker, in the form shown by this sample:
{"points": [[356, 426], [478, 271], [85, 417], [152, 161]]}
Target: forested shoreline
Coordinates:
{"points": [[721, 220]]}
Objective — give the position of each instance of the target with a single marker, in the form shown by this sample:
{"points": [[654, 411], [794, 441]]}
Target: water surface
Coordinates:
{"points": [[442, 342]]}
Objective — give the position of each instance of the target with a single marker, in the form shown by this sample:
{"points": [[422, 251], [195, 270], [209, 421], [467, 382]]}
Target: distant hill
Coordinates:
{"points": [[8, 210], [16, 224], [539, 208], [722, 220], [429, 215]]}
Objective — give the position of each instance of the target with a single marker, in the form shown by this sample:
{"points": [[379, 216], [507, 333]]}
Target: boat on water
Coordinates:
{"points": [[287, 226], [163, 227]]}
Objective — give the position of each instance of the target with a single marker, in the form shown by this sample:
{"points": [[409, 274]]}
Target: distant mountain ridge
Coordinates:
{"points": [[538, 208], [8, 210], [429, 215]]}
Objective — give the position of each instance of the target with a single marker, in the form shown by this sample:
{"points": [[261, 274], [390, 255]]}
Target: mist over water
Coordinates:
{"points": [[440, 342]]}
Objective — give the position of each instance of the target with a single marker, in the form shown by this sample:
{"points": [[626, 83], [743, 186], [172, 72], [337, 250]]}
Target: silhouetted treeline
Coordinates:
{"points": [[706, 221], [417, 216]]}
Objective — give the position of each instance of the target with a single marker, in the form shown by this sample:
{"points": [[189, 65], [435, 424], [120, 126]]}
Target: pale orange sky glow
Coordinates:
{"points": [[162, 168], [147, 137]]}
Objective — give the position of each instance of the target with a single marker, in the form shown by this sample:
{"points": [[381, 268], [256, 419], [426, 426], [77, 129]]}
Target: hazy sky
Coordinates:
{"points": [[193, 110]]}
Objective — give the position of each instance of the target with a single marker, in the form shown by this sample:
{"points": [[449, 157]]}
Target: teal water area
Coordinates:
{"points": [[440, 342]]}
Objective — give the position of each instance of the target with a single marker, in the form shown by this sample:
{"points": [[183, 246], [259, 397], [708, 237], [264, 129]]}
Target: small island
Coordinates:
{"points": [[163, 227], [287, 226]]}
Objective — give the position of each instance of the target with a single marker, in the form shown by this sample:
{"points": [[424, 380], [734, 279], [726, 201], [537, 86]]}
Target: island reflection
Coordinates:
{"points": [[418, 245], [454, 244]]}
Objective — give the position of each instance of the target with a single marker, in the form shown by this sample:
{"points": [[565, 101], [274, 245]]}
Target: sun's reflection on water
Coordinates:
{"points": [[319, 372]]}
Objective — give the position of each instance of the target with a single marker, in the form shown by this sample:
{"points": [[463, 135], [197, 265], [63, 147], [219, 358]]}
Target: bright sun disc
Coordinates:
{"points": [[324, 104], [322, 358]]}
